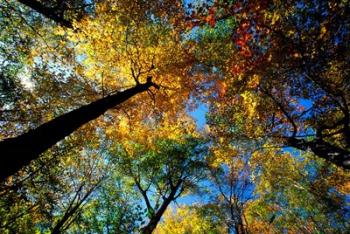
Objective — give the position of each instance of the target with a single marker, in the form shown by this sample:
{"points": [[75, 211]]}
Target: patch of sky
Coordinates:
{"points": [[296, 153], [198, 114], [193, 3], [80, 58], [60, 70], [25, 78], [306, 103], [191, 200]]}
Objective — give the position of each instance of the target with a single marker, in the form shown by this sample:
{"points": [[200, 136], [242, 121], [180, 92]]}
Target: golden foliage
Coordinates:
{"points": [[186, 220]]}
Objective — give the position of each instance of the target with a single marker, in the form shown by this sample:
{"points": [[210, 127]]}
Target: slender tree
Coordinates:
{"points": [[162, 168]]}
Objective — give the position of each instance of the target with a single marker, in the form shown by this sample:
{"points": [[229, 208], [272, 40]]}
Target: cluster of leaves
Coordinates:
{"points": [[274, 154]]}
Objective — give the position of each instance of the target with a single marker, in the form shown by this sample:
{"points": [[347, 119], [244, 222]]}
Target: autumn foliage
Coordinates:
{"points": [[102, 126]]}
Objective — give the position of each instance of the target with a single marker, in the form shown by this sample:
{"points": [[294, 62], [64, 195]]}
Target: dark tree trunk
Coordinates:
{"points": [[323, 149], [237, 218], [152, 224], [19, 151], [48, 12]]}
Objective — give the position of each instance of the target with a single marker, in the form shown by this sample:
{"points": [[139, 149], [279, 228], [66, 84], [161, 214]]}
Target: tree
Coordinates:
{"points": [[28, 146], [95, 99], [292, 197], [162, 169], [50, 195], [231, 189], [36, 141], [290, 76], [62, 12], [114, 208]]}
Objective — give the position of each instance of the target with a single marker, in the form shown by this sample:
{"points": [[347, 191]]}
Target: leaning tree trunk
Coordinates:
{"points": [[152, 224], [49, 13], [323, 149], [21, 150]]}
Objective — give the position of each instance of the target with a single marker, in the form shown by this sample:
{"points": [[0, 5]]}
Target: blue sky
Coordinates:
{"points": [[199, 115]]}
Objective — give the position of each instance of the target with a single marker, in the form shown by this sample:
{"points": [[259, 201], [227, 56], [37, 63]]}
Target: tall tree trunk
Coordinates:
{"points": [[152, 224], [19, 151], [48, 12]]}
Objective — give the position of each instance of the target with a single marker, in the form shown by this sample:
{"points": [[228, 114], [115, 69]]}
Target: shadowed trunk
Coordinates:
{"points": [[49, 13], [19, 151], [319, 147], [152, 224]]}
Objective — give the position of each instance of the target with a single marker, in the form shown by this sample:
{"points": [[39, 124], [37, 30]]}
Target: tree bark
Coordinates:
{"points": [[21, 150], [323, 149], [49, 13], [152, 224]]}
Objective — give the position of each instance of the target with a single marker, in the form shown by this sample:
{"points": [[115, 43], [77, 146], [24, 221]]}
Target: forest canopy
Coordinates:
{"points": [[174, 116]]}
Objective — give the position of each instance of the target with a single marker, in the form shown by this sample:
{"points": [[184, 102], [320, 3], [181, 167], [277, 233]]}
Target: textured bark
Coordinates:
{"points": [[49, 13], [21, 150]]}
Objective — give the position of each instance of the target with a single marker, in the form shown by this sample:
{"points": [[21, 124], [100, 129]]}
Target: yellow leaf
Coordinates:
{"points": [[59, 31], [275, 18], [323, 31]]}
